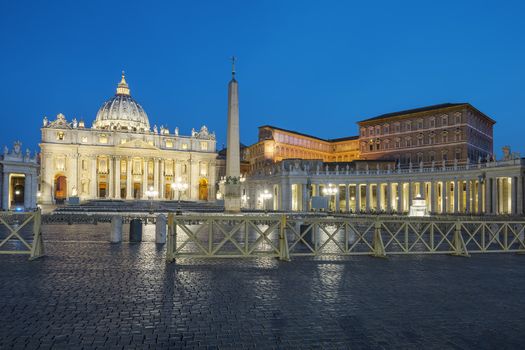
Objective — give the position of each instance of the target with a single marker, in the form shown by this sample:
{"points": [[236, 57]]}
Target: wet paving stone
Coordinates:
{"points": [[90, 294]]}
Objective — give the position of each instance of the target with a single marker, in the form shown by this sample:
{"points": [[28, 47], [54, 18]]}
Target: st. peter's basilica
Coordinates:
{"points": [[122, 157]]}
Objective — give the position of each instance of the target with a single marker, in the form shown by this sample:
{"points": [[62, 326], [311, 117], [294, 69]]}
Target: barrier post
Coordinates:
{"points": [[284, 254], [37, 249], [171, 246], [379, 248]]}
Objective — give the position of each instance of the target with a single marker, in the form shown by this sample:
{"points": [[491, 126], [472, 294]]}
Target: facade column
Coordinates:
{"points": [[162, 182], [357, 198], [479, 193], [347, 198], [213, 180], [468, 208], [145, 163], [94, 177], [109, 192], [5, 192], [194, 168], [368, 197], [422, 191], [129, 182], [156, 176], [117, 177]]}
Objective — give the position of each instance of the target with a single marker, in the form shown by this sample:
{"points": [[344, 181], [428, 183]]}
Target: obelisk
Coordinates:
{"points": [[232, 186]]}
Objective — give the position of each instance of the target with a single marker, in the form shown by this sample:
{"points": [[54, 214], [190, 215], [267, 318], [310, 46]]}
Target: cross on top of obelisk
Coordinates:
{"points": [[233, 59]]}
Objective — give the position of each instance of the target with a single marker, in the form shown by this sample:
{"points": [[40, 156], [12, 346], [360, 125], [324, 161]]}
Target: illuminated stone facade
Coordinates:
{"points": [[120, 157]]}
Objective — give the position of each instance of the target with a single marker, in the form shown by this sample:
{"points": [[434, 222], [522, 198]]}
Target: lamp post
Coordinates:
{"points": [[263, 197], [150, 193], [179, 186], [330, 191]]}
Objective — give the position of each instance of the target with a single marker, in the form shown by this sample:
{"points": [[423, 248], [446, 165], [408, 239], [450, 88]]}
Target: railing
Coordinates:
{"points": [[284, 237], [14, 242]]}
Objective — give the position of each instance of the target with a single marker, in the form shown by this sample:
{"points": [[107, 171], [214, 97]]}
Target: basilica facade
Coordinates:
{"points": [[121, 157]]}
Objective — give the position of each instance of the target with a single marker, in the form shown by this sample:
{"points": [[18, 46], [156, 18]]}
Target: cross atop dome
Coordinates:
{"points": [[122, 87]]}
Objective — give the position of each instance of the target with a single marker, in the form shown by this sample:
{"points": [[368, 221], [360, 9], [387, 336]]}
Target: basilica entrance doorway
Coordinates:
{"points": [[60, 189], [136, 190], [102, 190], [203, 189]]}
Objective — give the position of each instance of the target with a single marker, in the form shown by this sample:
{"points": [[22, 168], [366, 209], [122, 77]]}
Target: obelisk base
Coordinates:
{"points": [[232, 198]]}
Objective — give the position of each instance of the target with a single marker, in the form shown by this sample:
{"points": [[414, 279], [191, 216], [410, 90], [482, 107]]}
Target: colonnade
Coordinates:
{"points": [[455, 195]]}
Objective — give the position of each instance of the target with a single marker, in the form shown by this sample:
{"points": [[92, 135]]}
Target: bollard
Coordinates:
{"points": [[160, 229], [116, 229], [135, 230]]}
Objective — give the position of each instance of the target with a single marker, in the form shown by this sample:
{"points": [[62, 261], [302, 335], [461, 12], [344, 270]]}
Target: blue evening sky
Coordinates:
{"points": [[313, 66]]}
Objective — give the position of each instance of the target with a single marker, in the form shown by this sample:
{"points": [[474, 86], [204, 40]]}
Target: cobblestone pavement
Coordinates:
{"points": [[91, 294]]}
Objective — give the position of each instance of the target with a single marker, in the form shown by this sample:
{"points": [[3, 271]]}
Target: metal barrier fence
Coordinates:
{"points": [[284, 237], [14, 242]]}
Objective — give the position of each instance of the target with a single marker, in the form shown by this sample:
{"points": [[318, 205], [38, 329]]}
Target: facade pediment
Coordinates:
{"points": [[137, 144]]}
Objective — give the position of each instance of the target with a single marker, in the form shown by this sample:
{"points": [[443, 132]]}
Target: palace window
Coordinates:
{"points": [[444, 155], [458, 154], [444, 120], [386, 129], [444, 136], [419, 158], [397, 127], [408, 126], [363, 132], [398, 142], [420, 139], [432, 122], [371, 131], [420, 124], [408, 142], [432, 156]]}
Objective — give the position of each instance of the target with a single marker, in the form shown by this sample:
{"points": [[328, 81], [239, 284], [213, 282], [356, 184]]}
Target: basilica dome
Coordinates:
{"points": [[122, 112]]}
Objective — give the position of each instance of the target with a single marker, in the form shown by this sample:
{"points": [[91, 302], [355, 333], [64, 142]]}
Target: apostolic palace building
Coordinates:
{"points": [[442, 154], [121, 157]]}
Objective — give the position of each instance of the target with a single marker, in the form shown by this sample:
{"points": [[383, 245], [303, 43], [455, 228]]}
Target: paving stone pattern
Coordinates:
{"points": [[89, 294]]}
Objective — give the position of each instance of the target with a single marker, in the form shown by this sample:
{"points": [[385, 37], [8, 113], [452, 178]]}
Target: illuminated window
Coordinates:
{"points": [[84, 139], [169, 144], [204, 146], [184, 146], [60, 135], [103, 139], [150, 142]]}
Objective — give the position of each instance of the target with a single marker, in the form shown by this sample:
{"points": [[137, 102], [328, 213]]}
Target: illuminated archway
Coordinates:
{"points": [[60, 188], [203, 189]]}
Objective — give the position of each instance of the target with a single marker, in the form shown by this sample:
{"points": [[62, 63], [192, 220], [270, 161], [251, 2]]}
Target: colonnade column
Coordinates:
{"points": [[357, 198], [368, 197], [117, 177], [347, 198], [27, 191], [129, 182], [468, 208], [304, 197], [519, 197], [378, 197], [433, 197], [494, 197], [410, 194], [444, 189], [389, 197], [5, 192], [480, 197], [456, 196], [488, 195], [400, 195], [336, 199], [156, 176]]}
